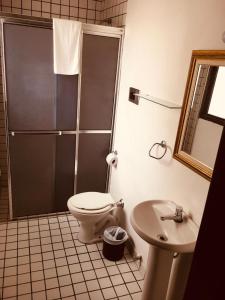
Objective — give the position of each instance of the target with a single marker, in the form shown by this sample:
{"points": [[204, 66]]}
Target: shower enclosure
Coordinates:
{"points": [[60, 127]]}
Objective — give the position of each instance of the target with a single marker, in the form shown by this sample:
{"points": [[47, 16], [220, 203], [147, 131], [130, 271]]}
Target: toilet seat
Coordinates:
{"points": [[91, 202]]}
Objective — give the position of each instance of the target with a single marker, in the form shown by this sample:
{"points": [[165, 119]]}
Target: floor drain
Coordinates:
{"points": [[162, 237]]}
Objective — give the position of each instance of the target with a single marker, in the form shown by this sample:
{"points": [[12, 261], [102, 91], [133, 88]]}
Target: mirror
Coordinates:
{"points": [[203, 112]]}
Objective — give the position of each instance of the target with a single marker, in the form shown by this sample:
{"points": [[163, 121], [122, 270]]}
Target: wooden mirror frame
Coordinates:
{"points": [[181, 156]]}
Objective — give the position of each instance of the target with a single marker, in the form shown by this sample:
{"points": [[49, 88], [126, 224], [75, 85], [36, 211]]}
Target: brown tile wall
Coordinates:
{"points": [[105, 12], [86, 11], [113, 12]]}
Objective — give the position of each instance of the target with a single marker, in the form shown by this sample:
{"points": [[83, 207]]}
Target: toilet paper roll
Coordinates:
{"points": [[112, 159]]}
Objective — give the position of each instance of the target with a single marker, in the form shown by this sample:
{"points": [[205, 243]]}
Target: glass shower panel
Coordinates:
{"points": [[92, 166], [37, 98], [42, 172], [99, 68], [32, 164], [29, 77], [66, 102], [64, 170]]}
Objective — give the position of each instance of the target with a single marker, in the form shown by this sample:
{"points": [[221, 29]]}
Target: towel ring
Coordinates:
{"points": [[163, 145]]}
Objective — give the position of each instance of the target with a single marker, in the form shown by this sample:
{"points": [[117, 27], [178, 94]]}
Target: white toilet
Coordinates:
{"points": [[94, 212]]}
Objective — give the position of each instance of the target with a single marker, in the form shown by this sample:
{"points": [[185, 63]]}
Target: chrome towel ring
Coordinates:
{"points": [[163, 145]]}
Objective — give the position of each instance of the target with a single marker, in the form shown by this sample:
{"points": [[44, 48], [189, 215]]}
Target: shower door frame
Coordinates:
{"points": [[91, 29]]}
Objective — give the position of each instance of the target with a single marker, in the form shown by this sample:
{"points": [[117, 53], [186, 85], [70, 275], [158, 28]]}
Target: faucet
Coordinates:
{"points": [[177, 217]]}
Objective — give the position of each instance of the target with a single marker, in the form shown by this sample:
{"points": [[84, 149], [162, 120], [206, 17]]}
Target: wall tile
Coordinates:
{"points": [[26, 4], [113, 12], [16, 3], [46, 7], [36, 5], [65, 10], [73, 11], [83, 3]]}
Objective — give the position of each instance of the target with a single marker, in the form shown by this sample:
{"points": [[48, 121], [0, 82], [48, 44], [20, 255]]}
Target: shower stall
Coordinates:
{"points": [[59, 127]]}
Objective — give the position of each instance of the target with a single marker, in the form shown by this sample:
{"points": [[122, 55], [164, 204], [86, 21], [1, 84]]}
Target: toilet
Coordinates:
{"points": [[94, 211]]}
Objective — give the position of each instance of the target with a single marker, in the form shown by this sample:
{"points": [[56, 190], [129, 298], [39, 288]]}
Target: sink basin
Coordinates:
{"points": [[169, 235]]}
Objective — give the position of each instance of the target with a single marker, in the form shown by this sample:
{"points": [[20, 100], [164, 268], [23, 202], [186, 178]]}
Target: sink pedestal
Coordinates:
{"points": [[157, 274], [179, 276]]}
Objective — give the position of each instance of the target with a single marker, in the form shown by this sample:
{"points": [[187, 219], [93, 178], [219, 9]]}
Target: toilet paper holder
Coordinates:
{"points": [[112, 158]]}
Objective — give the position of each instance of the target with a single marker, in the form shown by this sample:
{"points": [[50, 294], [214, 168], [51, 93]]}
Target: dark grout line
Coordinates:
{"points": [[61, 225], [66, 256]]}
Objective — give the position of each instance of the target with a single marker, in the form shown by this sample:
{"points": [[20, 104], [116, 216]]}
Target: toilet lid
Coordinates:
{"points": [[91, 200]]}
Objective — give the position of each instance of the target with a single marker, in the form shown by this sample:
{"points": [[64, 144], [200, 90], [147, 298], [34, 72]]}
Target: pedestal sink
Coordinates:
{"points": [[166, 238]]}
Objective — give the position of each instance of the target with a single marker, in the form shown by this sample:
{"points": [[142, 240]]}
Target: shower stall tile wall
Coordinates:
{"points": [[104, 12], [86, 11], [113, 12]]}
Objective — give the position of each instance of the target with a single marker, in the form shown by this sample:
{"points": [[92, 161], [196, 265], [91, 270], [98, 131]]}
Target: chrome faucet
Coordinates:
{"points": [[177, 217]]}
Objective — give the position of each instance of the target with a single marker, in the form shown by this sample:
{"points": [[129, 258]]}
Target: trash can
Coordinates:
{"points": [[114, 239]]}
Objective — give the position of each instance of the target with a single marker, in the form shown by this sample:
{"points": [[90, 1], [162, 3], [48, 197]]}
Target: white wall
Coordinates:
{"points": [[204, 148], [160, 36]]}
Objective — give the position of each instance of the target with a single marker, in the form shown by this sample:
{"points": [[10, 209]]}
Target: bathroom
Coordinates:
{"points": [[158, 43]]}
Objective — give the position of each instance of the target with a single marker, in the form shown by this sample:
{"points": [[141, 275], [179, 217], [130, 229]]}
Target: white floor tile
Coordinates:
{"points": [[43, 256]]}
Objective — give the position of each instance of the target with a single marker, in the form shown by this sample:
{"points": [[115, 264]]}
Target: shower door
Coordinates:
{"points": [[41, 109], [99, 70], [59, 126]]}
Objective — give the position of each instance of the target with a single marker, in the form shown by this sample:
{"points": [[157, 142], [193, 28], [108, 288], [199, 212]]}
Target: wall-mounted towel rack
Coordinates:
{"points": [[161, 102], [163, 145], [135, 94]]}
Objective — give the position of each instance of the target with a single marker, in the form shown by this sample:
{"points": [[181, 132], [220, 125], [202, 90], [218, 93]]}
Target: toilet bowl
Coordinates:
{"points": [[94, 212]]}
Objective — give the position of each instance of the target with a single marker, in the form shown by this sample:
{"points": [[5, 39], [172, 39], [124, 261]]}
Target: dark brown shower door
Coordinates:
{"points": [[42, 109], [42, 172], [37, 99], [98, 86], [58, 141]]}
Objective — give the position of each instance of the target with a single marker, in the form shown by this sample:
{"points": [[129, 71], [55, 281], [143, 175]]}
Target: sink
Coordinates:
{"points": [[166, 273], [169, 235]]}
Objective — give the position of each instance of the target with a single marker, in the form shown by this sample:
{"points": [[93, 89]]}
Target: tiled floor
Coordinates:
{"points": [[41, 258]]}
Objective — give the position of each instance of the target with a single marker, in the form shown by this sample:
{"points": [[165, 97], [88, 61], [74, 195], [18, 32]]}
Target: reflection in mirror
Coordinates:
{"points": [[203, 112], [202, 134], [213, 103]]}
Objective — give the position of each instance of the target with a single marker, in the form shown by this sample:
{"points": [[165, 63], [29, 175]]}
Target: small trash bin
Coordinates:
{"points": [[114, 239]]}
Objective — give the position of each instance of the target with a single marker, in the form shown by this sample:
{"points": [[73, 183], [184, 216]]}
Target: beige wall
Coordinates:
{"points": [[160, 36]]}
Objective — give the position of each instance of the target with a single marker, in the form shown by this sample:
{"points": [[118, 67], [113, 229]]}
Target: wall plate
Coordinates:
{"points": [[132, 97]]}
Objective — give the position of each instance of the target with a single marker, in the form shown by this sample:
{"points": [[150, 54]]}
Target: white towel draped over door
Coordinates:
{"points": [[66, 46]]}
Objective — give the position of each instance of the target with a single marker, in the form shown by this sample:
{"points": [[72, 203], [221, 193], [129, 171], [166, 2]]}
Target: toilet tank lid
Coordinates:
{"points": [[91, 200]]}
